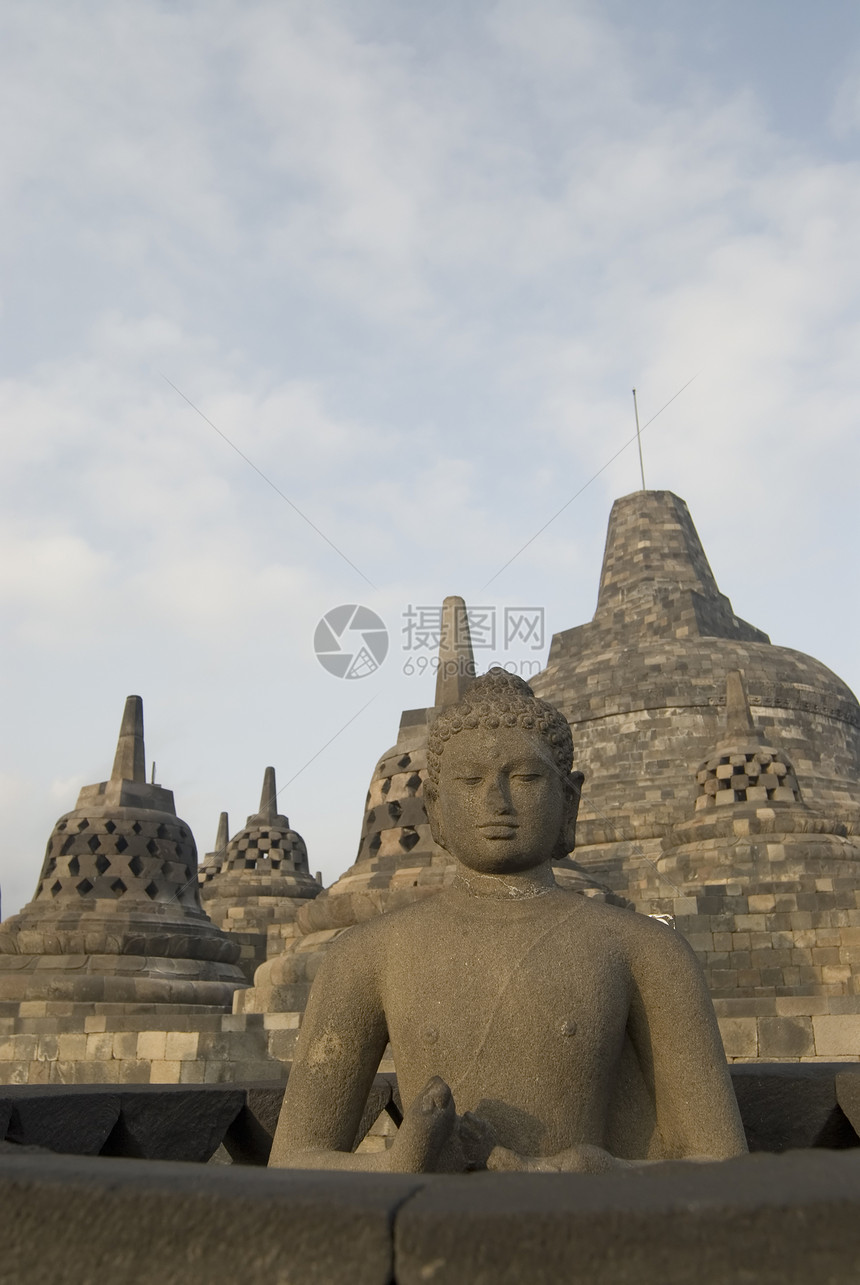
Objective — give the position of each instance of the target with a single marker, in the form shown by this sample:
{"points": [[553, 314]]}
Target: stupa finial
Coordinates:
{"points": [[130, 761], [222, 838], [739, 719], [456, 670], [269, 797]]}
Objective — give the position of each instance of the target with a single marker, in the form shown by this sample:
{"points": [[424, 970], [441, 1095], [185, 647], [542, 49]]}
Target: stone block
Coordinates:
{"points": [[71, 1048], [73, 1120], [173, 1124], [790, 1105], [150, 1045], [784, 1217], [163, 1072], [837, 1035], [783, 1037], [79, 1220], [99, 1047], [181, 1046], [740, 1036]]}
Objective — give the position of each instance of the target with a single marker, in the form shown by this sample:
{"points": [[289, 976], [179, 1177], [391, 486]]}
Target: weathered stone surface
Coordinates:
{"points": [[248, 1141], [77, 1121], [162, 1123], [83, 1220], [791, 1106], [847, 1085], [773, 1220]]}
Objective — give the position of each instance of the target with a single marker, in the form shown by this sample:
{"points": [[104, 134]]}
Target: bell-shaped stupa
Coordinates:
{"points": [[253, 884], [642, 687], [116, 917]]}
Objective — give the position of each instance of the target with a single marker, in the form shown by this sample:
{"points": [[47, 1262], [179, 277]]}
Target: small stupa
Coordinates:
{"points": [[253, 884], [772, 882], [116, 916]]}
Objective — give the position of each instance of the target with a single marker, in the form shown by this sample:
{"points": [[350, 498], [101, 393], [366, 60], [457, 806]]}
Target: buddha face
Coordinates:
{"points": [[501, 804]]}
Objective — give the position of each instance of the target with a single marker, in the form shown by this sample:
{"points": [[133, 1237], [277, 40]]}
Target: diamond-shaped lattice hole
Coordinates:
{"points": [[152, 847], [121, 843], [404, 761], [118, 887], [137, 827], [413, 783], [83, 825], [94, 843], [67, 846], [61, 825], [56, 887], [408, 839], [135, 865], [162, 832], [74, 866], [84, 887], [167, 869], [102, 864], [151, 890], [183, 833], [110, 826]]}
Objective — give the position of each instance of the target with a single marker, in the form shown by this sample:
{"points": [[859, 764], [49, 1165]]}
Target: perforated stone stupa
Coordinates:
{"points": [[116, 916], [253, 885]]}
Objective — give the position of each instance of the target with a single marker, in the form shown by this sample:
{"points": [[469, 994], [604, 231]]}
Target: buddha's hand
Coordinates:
{"points": [[434, 1139], [581, 1159], [427, 1128]]}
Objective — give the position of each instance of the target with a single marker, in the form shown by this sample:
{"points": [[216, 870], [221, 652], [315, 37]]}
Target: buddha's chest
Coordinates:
{"points": [[534, 1006]]}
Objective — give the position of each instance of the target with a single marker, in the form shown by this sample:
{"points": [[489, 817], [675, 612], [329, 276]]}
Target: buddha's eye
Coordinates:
{"points": [[469, 780], [527, 776]]}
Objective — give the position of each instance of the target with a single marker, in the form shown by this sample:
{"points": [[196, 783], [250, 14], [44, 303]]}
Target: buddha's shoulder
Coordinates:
{"points": [[638, 932], [375, 934]]}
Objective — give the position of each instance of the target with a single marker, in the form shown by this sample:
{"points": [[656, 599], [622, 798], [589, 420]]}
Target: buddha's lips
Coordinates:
{"points": [[499, 829]]}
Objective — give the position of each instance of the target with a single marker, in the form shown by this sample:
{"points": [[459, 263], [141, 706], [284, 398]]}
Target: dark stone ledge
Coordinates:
{"points": [[774, 1220], [771, 1220]]}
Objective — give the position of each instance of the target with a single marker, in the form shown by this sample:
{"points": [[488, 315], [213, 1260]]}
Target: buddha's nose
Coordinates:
{"points": [[498, 796]]}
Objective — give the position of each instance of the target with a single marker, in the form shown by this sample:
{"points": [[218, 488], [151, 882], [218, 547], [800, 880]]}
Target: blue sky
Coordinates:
{"points": [[410, 260]]}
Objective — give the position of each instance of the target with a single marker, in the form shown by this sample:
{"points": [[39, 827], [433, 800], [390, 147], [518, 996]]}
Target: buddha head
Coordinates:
{"points": [[501, 797]]}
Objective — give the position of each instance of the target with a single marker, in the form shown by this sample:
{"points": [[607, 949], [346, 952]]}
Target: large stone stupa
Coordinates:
{"points": [[643, 687], [116, 917]]}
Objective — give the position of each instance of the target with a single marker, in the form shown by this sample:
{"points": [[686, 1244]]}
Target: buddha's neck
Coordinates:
{"points": [[505, 887]]}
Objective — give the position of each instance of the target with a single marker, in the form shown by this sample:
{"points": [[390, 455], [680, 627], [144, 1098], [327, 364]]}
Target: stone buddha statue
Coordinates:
{"points": [[531, 1027]]}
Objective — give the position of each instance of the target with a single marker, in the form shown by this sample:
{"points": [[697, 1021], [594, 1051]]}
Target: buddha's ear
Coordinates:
{"points": [[573, 794], [431, 806]]}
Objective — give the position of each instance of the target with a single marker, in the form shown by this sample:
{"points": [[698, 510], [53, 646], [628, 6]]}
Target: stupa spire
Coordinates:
{"points": [[269, 796], [456, 670], [130, 761], [739, 720], [222, 838]]}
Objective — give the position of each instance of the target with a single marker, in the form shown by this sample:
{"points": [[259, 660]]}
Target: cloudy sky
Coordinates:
{"points": [[408, 259]]}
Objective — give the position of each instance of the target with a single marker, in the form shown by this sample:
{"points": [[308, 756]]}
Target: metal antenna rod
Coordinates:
{"points": [[638, 439]]}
